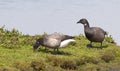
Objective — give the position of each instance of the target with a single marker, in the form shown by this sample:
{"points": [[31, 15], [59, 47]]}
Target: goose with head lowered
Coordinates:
{"points": [[93, 34], [54, 41]]}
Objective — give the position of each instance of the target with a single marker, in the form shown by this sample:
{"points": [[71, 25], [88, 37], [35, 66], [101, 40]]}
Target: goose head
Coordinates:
{"points": [[37, 43], [84, 22]]}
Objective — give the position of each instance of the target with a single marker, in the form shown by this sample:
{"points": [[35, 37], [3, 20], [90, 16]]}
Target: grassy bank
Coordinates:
{"points": [[16, 54]]}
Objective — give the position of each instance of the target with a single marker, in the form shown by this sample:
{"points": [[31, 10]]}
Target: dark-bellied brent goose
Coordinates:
{"points": [[93, 34], [54, 40]]}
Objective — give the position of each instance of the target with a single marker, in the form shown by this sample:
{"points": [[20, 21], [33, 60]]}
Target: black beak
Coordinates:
{"points": [[78, 22], [35, 47]]}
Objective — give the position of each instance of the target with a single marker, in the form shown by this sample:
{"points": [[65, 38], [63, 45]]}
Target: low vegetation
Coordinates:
{"points": [[16, 54]]}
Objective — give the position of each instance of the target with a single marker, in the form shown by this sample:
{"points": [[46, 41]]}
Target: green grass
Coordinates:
{"points": [[74, 57], [19, 56]]}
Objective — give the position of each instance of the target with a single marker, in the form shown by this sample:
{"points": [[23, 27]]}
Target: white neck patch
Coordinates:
{"points": [[85, 24]]}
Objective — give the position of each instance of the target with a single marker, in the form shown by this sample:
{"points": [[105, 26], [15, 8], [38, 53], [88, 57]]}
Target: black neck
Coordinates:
{"points": [[41, 41]]}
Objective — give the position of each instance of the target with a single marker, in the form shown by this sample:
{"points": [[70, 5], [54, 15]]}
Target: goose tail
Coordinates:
{"points": [[66, 42], [106, 33]]}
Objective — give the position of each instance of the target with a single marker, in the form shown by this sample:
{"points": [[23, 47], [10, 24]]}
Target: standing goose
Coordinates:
{"points": [[93, 34], [54, 40]]}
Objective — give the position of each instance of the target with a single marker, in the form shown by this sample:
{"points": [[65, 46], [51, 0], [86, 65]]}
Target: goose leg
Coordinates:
{"points": [[91, 44], [101, 45], [45, 48], [57, 50], [54, 50]]}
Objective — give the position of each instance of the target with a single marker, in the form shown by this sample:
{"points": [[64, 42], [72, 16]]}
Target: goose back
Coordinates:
{"points": [[95, 34], [51, 42], [55, 39]]}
